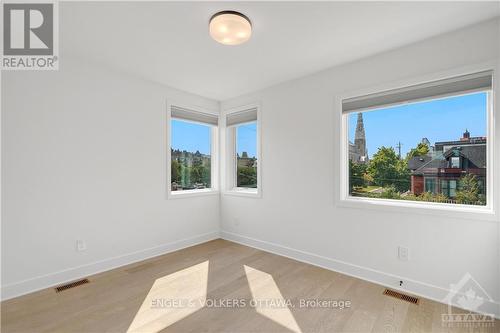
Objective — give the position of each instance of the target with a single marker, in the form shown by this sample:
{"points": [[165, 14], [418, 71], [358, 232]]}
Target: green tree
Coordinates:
{"points": [[185, 175], [383, 166], [402, 182], [176, 172], [387, 169], [356, 175], [469, 190], [205, 175], [247, 176], [197, 174], [421, 150], [367, 178]]}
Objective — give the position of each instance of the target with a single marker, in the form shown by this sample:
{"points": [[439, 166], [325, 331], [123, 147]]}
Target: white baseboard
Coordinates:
{"points": [[418, 288], [45, 281]]}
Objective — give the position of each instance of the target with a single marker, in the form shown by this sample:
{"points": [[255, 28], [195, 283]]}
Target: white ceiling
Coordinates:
{"points": [[168, 42]]}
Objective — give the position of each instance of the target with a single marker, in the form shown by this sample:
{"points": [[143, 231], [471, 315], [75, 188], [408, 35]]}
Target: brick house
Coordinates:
{"points": [[440, 171]]}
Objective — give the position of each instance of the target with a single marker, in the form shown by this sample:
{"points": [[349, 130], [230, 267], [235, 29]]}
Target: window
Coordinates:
{"points": [[453, 189], [243, 151], [449, 188], [192, 151], [430, 185], [246, 155], [455, 162], [406, 144]]}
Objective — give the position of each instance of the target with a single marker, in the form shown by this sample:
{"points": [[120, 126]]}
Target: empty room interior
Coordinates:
{"points": [[250, 166]]}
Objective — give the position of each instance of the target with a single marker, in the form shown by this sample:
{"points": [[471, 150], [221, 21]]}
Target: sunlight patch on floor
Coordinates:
{"points": [[265, 292], [172, 298]]}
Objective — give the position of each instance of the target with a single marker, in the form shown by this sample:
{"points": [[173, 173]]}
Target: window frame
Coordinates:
{"points": [[434, 184], [229, 165], [486, 213], [457, 158], [214, 153], [453, 188]]}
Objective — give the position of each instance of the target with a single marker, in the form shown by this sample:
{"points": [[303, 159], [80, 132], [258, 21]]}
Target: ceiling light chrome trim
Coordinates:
{"points": [[233, 12]]}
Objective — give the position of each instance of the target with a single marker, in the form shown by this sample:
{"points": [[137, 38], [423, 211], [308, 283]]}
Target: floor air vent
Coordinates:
{"points": [[398, 295], [71, 285]]}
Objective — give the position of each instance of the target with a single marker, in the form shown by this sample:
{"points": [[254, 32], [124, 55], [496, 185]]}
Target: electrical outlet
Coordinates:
{"points": [[236, 222], [403, 253], [81, 245]]}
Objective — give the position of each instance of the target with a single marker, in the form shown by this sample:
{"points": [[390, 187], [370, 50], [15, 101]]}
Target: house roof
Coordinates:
{"points": [[473, 140], [475, 154], [418, 161]]}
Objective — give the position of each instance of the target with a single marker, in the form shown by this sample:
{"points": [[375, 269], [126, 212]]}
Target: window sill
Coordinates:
{"points": [[191, 193], [429, 208], [244, 192]]}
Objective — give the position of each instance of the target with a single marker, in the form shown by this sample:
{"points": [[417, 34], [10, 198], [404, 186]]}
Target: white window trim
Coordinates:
{"points": [[484, 213], [214, 152], [228, 155]]}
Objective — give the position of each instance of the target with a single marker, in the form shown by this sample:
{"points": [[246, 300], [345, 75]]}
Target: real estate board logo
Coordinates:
{"points": [[471, 297], [30, 36]]}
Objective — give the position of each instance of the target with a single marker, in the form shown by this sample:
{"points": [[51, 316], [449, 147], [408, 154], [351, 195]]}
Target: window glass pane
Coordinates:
{"points": [[453, 188], [246, 155], [191, 157], [411, 151], [480, 183], [445, 187], [430, 184]]}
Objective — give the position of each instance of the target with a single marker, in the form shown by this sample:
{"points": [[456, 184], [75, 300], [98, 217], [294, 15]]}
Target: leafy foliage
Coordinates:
{"points": [[428, 197], [390, 192], [469, 190], [368, 179], [387, 169], [176, 172], [382, 166], [192, 174], [247, 176], [421, 150], [357, 174]]}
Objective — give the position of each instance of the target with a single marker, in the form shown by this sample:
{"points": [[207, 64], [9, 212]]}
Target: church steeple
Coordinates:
{"points": [[360, 127], [359, 138]]}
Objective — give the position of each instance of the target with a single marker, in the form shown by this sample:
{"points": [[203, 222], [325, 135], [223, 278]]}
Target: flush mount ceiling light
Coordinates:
{"points": [[230, 28]]}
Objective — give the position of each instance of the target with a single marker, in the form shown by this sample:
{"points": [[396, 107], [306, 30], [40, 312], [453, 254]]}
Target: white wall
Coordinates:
{"points": [[84, 157], [297, 215]]}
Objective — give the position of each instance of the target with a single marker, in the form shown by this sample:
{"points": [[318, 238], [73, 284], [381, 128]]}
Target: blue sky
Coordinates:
{"points": [[247, 139], [438, 120], [192, 137]]}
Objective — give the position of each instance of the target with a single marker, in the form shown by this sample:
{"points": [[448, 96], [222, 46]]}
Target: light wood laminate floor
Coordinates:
{"points": [[220, 286]]}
